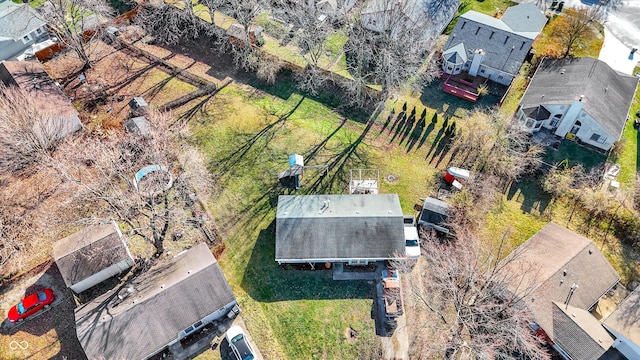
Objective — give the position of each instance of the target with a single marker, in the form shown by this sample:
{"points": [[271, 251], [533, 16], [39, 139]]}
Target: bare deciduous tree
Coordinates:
{"points": [[171, 22], [480, 313], [104, 174], [74, 22], [29, 128], [388, 44], [493, 144]]}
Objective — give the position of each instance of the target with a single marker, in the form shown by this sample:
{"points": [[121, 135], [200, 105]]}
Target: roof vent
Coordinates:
{"points": [[564, 272], [573, 314], [162, 286], [325, 206], [561, 71]]}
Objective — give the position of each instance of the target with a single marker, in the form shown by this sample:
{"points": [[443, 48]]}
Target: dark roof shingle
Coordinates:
{"points": [[329, 227], [89, 251], [149, 313], [579, 333], [542, 261], [607, 93]]}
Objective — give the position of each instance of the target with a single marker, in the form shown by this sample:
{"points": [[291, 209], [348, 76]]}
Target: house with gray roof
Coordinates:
{"points": [[157, 309], [20, 28], [484, 46], [429, 17], [92, 255], [624, 324], [580, 99], [350, 229], [561, 276]]}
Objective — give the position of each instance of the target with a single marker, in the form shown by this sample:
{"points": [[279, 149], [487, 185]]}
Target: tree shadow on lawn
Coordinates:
{"points": [[529, 194], [222, 65], [265, 135], [265, 281]]}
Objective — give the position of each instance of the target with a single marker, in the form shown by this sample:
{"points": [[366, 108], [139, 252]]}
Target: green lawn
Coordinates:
{"points": [[247, 136], [576, 154], [489, 7], [629, 158]]}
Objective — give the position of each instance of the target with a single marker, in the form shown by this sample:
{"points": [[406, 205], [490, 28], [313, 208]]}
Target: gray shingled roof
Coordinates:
{"points": [[89, 251], [542, 261], [492, 34], [456, 54], [525, 18], [579, 333], [537, 112], [608, 94], [17, 21], [625, 319], [163, 301], [346, 227]]}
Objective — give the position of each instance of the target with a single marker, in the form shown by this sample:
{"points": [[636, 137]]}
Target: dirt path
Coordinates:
{"points": [[396, 347]]}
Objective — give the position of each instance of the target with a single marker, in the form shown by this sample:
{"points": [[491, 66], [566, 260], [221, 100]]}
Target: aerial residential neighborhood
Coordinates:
{"points": [[343, 179]]}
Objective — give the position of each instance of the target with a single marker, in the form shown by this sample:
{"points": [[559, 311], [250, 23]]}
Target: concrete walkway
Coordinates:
{"points": [[618, 55]]}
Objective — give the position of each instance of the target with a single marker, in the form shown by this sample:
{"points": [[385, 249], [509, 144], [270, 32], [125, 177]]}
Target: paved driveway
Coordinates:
{"points": [[622, 31]]}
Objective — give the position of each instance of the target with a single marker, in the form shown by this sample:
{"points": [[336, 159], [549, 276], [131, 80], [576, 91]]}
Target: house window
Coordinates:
{"points": [[555, 120], [482, 71], [491, 36], [478, 30], [463, 24], [449, 68], [26, 38], [529, 123], [521, 46], [500, 76], [538, 124], [39, 31], [506, 39], [598, 138]]}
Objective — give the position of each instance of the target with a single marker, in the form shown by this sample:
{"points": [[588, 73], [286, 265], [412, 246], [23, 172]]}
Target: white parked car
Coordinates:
{"points": [[412, 241], [240, 344]]}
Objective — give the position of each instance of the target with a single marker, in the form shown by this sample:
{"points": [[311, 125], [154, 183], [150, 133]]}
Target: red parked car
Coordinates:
{"points": [[31, 305]]}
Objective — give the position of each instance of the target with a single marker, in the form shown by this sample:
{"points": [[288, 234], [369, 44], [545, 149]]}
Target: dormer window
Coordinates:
{"points": [[26, 38]]}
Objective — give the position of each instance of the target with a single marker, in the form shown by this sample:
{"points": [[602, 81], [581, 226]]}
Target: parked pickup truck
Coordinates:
{"points": [[391, 293]]}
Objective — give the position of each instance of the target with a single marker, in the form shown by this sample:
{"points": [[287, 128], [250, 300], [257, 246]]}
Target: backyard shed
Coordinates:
{"points": [[157, 309], [91, 256], [138, 126], [434, 214], [352, 229]]}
